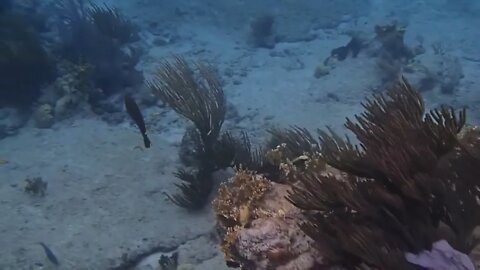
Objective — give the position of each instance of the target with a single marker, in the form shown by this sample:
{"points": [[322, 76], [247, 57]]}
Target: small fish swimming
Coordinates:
{"points": [[3, 161], [48, 252], [136, 115]]}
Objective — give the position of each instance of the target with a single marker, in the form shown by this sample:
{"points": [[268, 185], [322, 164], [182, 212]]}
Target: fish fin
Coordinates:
{"points": [[146, 141]]}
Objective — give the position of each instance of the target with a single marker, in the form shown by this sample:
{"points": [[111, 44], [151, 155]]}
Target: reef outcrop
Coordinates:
{"points": [[406, 192]]}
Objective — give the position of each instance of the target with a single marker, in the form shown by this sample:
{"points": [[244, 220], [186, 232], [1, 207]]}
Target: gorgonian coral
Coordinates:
{"points": [[409, 176], [201, 100]]}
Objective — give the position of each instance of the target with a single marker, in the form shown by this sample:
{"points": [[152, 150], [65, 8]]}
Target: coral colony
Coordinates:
{"points": [[410, 182]]}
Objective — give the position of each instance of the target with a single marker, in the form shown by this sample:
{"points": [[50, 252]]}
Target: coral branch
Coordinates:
{"points": [[201, 100]]}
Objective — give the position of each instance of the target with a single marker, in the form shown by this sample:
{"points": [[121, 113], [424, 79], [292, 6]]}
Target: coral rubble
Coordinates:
{"points": [[35, 186]]}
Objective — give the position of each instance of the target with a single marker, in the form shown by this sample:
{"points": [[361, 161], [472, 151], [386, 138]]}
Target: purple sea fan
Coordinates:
{"points": [[441, 257]]}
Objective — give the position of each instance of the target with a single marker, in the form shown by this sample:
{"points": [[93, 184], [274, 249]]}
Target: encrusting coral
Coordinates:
{"points": [[410, 185], [72, 88], [69, 91], [259, 226], [236, 202]]}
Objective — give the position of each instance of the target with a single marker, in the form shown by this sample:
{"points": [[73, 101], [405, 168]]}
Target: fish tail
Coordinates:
{"points": [[146, 140]]}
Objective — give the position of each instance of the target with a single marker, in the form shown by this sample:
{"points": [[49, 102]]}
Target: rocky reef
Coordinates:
{"points": [[404, 198], [266, 233]]}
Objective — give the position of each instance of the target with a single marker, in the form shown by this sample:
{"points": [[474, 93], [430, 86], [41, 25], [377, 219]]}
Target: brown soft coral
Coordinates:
{"points": [[409, 176]]}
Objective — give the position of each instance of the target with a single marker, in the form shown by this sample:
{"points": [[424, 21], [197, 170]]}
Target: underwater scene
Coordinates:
{"points": [[253, 135]]}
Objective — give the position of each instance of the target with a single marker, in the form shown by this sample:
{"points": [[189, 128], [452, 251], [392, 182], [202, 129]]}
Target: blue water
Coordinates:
{"points": [[75, 172]]}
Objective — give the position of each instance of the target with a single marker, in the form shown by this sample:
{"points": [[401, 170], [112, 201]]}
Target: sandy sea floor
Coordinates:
{"points": [[106, 199]]}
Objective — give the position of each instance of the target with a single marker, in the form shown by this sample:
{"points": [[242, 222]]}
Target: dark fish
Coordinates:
{"points": [[354, 46], [136, 115], [48, 252]]}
